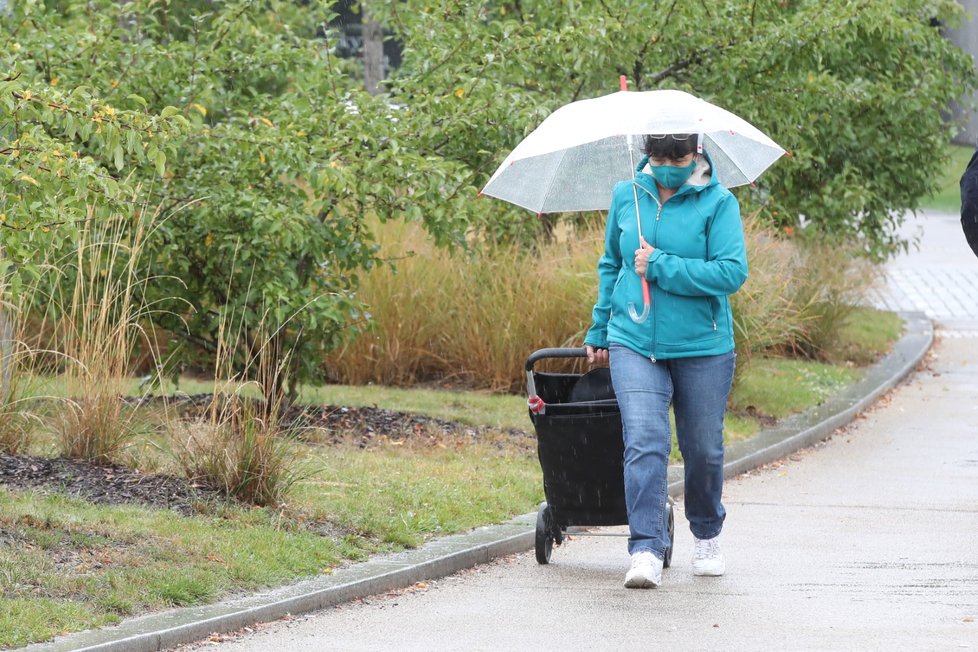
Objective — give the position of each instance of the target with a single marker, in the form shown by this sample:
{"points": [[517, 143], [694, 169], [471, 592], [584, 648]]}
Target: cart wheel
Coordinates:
{"points": [[544, 539], [671, 529]]}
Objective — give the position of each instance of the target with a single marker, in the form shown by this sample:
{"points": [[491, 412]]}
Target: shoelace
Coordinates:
{"points": [[642, 559], [707, 548]]}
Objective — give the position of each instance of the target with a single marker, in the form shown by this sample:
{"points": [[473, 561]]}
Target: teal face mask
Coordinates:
{"points": [[671, 176]]}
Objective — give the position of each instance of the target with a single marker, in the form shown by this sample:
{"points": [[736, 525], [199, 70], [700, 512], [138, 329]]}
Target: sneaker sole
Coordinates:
{"points": [[640, 583], [709, 572]]}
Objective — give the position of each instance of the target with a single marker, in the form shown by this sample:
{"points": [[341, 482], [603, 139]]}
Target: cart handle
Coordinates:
{"points": [[543, 354]]}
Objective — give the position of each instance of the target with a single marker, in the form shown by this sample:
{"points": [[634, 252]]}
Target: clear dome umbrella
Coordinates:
{"points": [[573, 160]]}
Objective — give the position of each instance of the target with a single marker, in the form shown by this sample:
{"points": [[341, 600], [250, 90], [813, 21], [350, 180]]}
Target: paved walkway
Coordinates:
{"points": [[864, 542], [939, 279]]}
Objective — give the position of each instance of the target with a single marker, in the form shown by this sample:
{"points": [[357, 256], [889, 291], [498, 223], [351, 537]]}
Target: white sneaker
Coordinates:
{"points": [[707, 558], [646, 571]]}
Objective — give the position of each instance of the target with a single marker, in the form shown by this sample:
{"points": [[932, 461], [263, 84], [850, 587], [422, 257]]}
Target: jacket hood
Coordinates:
{"points": [[701, 178]]}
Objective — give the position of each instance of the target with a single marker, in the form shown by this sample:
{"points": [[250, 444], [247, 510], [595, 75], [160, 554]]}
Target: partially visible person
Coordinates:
{"points": [[969, 203], [678, 349]]}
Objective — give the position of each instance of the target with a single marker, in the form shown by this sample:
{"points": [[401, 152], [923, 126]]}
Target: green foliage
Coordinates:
{"points": [[947, 197], [857, 91], [63, 157], [285, 156]]}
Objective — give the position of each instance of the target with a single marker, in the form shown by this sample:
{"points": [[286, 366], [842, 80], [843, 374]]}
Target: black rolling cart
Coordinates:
{"points": [[579, 443]]}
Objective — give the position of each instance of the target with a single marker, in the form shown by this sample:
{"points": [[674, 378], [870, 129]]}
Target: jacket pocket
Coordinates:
{"points": [[685, 320]]}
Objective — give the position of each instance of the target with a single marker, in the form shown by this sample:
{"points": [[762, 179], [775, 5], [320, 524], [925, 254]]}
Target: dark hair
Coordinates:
{"points": [[670, 146]]}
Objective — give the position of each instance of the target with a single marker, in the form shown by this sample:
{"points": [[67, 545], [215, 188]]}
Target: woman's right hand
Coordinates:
{"points": [[596, 356]]}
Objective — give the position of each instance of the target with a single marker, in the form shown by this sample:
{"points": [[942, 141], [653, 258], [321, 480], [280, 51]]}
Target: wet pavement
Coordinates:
{"points": [[863, 541]]}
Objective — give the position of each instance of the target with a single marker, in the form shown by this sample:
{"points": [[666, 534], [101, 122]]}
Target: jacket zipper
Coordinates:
{"points": [[655, 240], [655, 229]]}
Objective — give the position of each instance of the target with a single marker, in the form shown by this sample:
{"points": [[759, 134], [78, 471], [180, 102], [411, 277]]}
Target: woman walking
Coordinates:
{"points": [[676, 228]]}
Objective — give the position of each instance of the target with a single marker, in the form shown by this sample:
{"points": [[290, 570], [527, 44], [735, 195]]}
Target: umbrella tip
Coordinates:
{"points": [[480, 195], [622, 82]]}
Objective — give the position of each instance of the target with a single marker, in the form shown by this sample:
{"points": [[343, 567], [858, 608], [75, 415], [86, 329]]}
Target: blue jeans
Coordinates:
{"points": [[698, 390]]}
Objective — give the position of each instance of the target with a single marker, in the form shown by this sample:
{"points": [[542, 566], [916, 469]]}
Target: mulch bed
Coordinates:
{"points": [[104, 484], [113, 484]]}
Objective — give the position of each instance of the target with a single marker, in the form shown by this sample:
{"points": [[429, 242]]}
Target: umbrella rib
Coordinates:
{"points": [[553, 179]]}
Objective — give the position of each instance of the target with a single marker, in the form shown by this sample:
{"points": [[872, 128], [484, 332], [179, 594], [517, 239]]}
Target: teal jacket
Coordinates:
{"points": [[699, 259]]}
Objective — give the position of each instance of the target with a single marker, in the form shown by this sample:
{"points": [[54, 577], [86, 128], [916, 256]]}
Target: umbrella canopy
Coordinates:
{"points": [[574, 158]]}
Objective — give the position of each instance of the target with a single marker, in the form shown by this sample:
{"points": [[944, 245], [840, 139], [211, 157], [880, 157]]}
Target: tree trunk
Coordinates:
{"points": [[373, 53]]}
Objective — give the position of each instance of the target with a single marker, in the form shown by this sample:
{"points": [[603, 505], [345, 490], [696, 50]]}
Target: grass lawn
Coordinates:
{"points": [[67, 565], [947, 199]]}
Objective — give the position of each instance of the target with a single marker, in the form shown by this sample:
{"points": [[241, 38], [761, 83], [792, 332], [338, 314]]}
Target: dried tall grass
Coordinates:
{"points": [[471, 319], [467, 318], [96, 328], [18, 420], [239, 449], [797, 296]]}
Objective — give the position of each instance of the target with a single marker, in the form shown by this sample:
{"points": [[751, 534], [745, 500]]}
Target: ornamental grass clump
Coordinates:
{"points": [[830, 283], [240, 445], [238, 448], [471, 318], [96, 323], [798, 295], [18, 421]]}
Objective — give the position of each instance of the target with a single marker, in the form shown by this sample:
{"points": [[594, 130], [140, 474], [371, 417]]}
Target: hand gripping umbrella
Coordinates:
{"points": [[573, 160]]}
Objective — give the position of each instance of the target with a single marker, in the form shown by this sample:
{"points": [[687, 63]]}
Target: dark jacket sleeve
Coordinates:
{"points": [[969, 203]]}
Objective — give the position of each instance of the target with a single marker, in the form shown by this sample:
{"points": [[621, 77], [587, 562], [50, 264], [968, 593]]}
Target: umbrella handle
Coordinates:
{"points": [[637, 317]]}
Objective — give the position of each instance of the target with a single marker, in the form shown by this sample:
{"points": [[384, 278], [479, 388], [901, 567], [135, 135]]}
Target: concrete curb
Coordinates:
{"points": [[454, 553]]}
